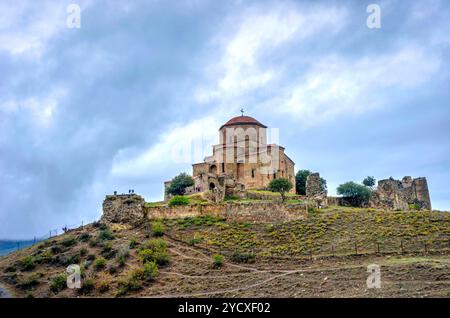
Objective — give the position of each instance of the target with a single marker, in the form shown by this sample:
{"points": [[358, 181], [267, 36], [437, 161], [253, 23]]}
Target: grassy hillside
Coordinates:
{"points": [[324, 256]]}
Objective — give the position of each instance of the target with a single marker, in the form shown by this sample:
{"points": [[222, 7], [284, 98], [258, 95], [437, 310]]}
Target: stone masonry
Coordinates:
{"points": [[402, 195], [123, 208], [131, 209], [314, 190]]}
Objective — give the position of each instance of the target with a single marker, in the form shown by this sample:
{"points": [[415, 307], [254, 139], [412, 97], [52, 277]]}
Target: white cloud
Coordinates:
{"points": [[261, 32], [181, 144], [336, 85], [39, 110], [26, 27]]}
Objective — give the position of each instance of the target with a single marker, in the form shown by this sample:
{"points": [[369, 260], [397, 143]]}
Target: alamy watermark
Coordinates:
{"points": [[374, 19], [74, 276], [374, 279], [73, 20]]}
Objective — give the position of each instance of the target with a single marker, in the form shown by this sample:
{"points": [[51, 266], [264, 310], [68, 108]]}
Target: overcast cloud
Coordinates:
{"points": [[111, 105]]}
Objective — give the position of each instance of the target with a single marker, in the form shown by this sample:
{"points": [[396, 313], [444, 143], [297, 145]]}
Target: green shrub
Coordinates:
{"points": [[133, 281], [239, 257], [231, 197], [122, 255], [30, 281], [106, 234], [133, 243], [83, 251], [70, 259], [45, 257], [155, 250], [58, 283], [150, 270], [178, 200], [84, 237], [217, 260], [156, 244], [55, 249], [195, 240], [103, 286], [158, 229], [86, 287], [100, 263], [107, 251], [27, 263], [146, 255], [69, 241], [161, 258]]}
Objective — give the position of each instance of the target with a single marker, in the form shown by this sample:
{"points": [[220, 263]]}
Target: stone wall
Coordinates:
{"points": [[123, 208], [314, 191], [402, 195], [241, 212], [131, 209]]}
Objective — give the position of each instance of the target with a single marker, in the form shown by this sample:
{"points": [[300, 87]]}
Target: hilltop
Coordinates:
{"points": [[324, 255]]}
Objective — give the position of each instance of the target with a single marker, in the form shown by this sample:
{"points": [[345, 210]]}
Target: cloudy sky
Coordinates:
{"points": [[117, 103]]}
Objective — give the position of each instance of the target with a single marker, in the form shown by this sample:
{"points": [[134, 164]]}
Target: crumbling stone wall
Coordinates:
{"points": [[257, 212], [123, 208], [314, 191], [131, 209], [402, 195]]}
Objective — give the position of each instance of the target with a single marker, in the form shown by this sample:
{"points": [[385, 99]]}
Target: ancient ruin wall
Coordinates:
{"points": [[256, 212], [123, 208], [131, 209], [402, 195]]}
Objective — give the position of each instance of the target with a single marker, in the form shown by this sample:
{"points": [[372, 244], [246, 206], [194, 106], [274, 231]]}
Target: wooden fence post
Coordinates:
{"points": [[378, 247], [401, 246], [425, 246], [356, 248]]}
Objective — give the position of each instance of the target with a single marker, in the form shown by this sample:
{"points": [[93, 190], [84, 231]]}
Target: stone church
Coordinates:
{"points": [[242, 160]]}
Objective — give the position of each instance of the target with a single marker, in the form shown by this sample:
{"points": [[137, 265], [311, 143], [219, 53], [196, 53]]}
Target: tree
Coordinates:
{"points": [[179, 184], [300, 181], [357, 194], [369, 181], [323, 185], [280, 185]]}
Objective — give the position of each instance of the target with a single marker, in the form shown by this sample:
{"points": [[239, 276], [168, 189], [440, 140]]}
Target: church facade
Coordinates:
{"points": [[242, 160]]}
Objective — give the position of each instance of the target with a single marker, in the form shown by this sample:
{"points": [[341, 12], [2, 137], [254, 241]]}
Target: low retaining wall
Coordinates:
{"points": [[131, 209], [264, 212]]}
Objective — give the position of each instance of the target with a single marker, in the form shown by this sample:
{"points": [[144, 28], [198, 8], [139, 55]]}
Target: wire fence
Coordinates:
{"points": [[418, 245], [53, 232]]}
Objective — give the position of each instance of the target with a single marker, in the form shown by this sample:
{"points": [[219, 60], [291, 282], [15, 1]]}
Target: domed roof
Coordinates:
{"points": [[242, 120]]}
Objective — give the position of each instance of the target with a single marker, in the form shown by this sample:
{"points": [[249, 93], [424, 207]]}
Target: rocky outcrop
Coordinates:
{"points": [[123, 208]]}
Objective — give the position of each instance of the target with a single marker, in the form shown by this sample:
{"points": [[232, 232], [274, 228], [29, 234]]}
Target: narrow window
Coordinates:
{"points": [[253, 173]]}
